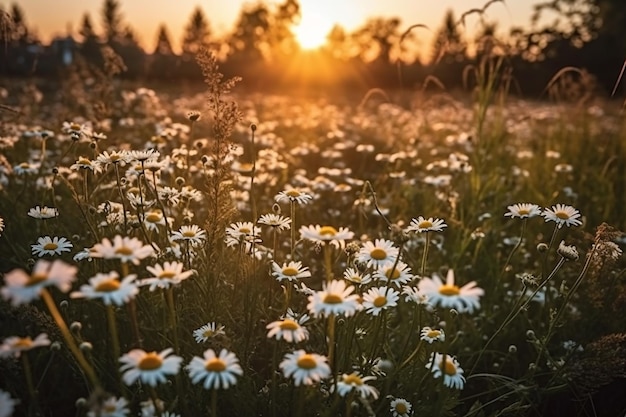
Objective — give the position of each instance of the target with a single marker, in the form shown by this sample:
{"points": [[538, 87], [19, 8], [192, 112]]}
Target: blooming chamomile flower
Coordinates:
{"points": [[216, 371], [523, 210], [193, 234], [305, 368], [446, 365], [208, 331], [397, 273], [150, 368], [109, 288], [335, 298], [289, 328], [563, 215], [414, 295], [378, 299], [20, 287], [377, 254], [170, 273], [354, 382], [449, 295], [44, 212], [275, 221], [400, 407], [111, 407], [293, 195], [125, 249], [431, 335], [14, 346], [47, 245], [326, 234], [422, 224], [290, 271], [356, 277]]}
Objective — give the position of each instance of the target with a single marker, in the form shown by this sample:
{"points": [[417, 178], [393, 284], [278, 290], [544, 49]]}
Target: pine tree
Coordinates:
{"points": [[197, 33], [112, 21]]}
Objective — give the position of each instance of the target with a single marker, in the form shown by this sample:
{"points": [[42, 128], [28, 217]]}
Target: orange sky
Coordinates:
{"points": [[58, 17]]}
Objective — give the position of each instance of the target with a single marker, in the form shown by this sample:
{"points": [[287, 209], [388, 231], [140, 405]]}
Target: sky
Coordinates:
{"points": [[60, 17]]}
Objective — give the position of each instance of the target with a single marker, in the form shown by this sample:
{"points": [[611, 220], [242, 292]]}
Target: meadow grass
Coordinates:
{"points": [[247, 255]]}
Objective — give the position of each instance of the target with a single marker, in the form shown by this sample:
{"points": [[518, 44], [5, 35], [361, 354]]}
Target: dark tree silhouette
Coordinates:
{"points": [[197, 33], [112, 21], [163, 62]]}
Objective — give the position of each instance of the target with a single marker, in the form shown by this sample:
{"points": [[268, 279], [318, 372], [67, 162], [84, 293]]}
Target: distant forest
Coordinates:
{"points": [[586, 39]]}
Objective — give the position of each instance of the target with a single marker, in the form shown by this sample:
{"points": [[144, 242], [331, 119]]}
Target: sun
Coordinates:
{"points": [[312, 30]]}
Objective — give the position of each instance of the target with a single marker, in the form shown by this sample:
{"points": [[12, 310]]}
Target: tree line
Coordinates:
{"points": [[586, 41]]}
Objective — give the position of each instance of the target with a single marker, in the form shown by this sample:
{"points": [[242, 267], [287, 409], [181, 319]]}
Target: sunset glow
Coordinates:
{"points": [[312, 30]]}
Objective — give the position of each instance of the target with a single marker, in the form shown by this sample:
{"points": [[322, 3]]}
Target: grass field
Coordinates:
{"points": [[234, 254]]}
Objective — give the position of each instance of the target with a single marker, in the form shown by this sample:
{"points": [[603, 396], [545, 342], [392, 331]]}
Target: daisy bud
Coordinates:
{"points": [[86, 347], [453, 312], [180, 181], [55, 170], [204, 159], [76, 326], [512, 349], [276, 208], [64, 304], [55, 346], [542, 247], [569, 253], [253, 127], [530, 335], [93, 145], [80, 402]]}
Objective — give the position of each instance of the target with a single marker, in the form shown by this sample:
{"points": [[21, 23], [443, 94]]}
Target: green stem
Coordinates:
{"points": [[115, 340], [169, 293]]}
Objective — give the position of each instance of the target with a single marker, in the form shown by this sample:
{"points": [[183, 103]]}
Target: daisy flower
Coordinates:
{"points": [[378, 299], [170, 273], [47, 245], [26, 168], [290, 271], [216, 371], [7, 404], [376, 254], [354, 382], [21, 287], [400, 407], [150, 368], [275, 221], [422, 224], [397, 274], [123, 248], [414, 295], [85, 163], [335, 298], [305, 368], [14, 346], [431, 335], [193, 234], [109, 288], [238, 230], [153, 219], [563, 215], [446, 365], [111, 407], [523, 210], [114, 158], [142, 156], [44, 212], [356, 277], [326, 234], [289, 328], [208, 331], [449, 295], [293, 195]]}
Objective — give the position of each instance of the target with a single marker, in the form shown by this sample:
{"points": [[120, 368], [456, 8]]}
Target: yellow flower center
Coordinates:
{"points": [[523, 212], [562, 215], [109, 408], [288, 324], [115, 157], [24, 165], [23, 343], [332, 299], [167, 274], [352, 379], [425, 224], [153, 217], [433, 334], [75, 126], [392, 273], [328, 231], [50, 246], [108, 285], [380, 301], [306, 361], [245, 230], [293, 193], [378, 254], [84, 161], [401, 408], [448, 368], [189, 233], [150, 362], [124, 251], [290, 271], [215, 365], [208, 333], [449, 290], [36, 279]]}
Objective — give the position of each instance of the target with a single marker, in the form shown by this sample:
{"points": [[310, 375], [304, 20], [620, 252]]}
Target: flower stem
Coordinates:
{"points": [[172, 314], [115, 340]]}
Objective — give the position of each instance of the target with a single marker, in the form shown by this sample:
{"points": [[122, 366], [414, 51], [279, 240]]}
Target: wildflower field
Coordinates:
{"points": [[238, 254]]}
